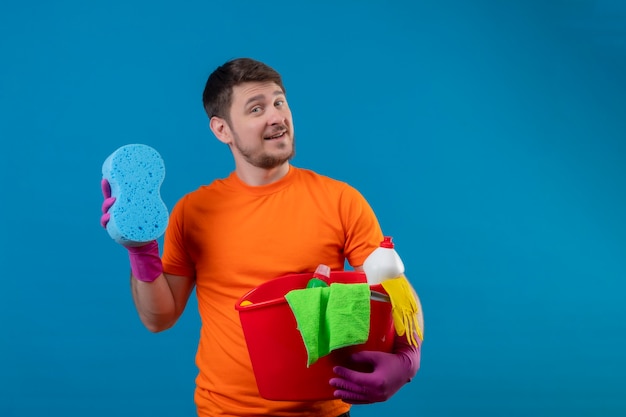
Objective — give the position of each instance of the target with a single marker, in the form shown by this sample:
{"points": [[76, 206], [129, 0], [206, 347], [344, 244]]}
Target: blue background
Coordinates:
{"points": [[489, 137]]}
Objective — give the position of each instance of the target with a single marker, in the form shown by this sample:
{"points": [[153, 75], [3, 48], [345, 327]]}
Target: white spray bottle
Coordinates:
{"points": [[383, 263]]}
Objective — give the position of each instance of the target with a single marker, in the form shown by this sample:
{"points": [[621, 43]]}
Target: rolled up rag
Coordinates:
{"points": [[331, 317]]}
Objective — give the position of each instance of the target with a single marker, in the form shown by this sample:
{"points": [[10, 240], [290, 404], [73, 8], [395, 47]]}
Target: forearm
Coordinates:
{"points": [[154, 302], [150, 288]]}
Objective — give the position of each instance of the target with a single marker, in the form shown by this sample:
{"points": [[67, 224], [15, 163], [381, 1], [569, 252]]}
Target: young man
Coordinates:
{"points": [[266, 219]]}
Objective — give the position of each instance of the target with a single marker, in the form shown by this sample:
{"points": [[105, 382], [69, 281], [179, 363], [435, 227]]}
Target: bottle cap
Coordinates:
{"points": [[322, 271], [387, 242]]}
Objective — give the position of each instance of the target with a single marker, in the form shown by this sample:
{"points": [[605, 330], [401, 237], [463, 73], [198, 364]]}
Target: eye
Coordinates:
{"points": [[255, 109], [279, 103]]}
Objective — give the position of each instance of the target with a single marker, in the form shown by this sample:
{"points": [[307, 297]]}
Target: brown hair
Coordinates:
{"points": [[218, 91]]}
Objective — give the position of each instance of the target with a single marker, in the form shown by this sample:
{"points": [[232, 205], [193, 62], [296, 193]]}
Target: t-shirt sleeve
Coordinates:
{"points": [[175, 259], [362, 229]]}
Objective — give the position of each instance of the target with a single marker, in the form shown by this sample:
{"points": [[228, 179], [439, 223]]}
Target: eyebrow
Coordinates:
{"points": [[259, 97]]}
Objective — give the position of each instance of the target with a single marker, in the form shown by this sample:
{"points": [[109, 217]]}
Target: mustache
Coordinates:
{"points": [[276, 129]]}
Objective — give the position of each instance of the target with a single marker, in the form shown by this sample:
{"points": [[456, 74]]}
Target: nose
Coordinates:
{"points": [[276, 116]]}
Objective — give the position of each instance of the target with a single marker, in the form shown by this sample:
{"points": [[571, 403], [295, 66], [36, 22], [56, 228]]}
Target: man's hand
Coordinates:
{"points": [[390, 371], [145, 262]]}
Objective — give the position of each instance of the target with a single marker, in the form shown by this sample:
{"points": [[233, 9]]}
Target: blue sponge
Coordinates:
{"points": [[135, 173]]}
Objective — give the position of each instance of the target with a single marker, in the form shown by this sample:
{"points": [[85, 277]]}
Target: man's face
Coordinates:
{"points": [[261, 125]]}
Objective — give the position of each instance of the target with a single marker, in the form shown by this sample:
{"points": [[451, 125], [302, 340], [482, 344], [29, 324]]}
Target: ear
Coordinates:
{"points": [[220, 129]]}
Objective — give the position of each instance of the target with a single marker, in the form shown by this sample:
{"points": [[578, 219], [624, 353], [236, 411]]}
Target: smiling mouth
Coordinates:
{"points": [[276, 136]]}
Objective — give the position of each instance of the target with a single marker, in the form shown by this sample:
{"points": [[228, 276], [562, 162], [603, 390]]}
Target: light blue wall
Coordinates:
{"points": [[489, 136]]}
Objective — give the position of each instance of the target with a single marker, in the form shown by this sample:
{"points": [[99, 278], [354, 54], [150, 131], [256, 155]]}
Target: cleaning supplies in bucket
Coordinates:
{"points": [[277, 352]]}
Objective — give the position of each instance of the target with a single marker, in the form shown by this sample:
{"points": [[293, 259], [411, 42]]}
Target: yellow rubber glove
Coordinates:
{"points": [[404, 308]]}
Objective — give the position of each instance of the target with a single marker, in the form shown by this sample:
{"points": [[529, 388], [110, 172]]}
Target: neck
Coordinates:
{"points": [[255, 176]]}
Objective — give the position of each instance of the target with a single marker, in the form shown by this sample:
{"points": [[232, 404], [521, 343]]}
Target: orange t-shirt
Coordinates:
{"points": [[232, 237]]}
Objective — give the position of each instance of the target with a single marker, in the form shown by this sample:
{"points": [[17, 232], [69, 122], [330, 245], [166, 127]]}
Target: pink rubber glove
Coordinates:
{"points": [[145, 262], [389, 373]]}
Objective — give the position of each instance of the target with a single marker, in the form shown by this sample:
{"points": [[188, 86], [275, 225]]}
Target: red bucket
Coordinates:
{"points": [[277, 352]]}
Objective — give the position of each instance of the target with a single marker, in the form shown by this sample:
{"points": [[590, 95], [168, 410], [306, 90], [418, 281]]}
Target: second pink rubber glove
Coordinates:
{"points": [[390, 372]]}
